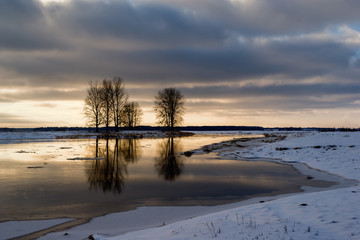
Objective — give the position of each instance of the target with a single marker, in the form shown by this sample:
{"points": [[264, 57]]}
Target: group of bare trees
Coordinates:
{"points": [[107, 103]]}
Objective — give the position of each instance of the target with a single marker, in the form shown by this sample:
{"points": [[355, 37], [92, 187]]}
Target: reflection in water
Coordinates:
{"points": [[109, 170], [168, 164], [38, 193], [129, 150]]}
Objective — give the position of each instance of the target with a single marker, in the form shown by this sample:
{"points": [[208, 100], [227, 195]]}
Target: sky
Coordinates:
{"points": [[271, 63]]}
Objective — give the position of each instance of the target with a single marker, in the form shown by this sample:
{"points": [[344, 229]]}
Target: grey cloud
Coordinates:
{"points": [[24, 26], [20, 11], [142, 23], [287, 97], [290, 97], [300, 60], [292, 90], [277, 17], [292, 60], [205, 20], [28, 24], [181, 33]]}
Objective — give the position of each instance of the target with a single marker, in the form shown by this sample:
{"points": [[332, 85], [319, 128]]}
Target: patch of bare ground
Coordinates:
{"points": [[270, 138]]}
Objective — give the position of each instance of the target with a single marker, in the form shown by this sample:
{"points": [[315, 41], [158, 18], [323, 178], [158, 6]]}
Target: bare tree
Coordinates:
{"points": [[93, 105], [107, 99], [169, 107], [119, 100], [132, 114]]}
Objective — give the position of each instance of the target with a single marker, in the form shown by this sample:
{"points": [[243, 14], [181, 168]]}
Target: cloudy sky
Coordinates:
{"points": [[238, 62]]}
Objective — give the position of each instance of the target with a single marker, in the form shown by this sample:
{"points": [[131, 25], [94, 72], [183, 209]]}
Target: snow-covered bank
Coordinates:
{"points": [[13, 136], [329, 214], [335, 152]]}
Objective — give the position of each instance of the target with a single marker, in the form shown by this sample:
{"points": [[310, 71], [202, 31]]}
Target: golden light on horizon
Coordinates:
{"points": [[70, 114]]}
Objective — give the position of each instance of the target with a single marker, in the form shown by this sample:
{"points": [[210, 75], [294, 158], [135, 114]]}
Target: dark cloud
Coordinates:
{"points": [[170, 42], [143, 23], [205, 20], [191, 65]]}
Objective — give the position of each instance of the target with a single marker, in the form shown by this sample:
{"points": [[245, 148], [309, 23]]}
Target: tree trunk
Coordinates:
{"points": [[97, 124]]}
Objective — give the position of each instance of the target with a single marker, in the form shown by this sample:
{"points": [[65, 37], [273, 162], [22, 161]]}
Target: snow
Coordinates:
{"points": [[284, 218], [335, 152], [332, 213], [12, 229]]}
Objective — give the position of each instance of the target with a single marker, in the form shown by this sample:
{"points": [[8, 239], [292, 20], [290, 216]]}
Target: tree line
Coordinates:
{"points": [[106, 103]]}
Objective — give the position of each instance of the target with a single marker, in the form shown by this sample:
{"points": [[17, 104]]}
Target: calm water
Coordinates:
{"points": [[47, 179]]}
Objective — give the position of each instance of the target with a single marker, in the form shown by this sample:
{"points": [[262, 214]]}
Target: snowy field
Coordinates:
{"points": [[327, 214]]}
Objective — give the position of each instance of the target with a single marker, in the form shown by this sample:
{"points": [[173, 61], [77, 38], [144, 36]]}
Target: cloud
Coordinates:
{"points": [[306, 90], [296, 96], [291, 55], [183, 41], [24, 25], [294, 60]]}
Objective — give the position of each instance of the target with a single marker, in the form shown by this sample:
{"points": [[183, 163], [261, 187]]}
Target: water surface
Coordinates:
{"points": [[87, 178]]}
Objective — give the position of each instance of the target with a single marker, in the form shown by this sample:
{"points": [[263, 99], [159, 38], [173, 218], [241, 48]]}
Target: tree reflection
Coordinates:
{"points": [[168, 164], [109, 169], [129, 150]]}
